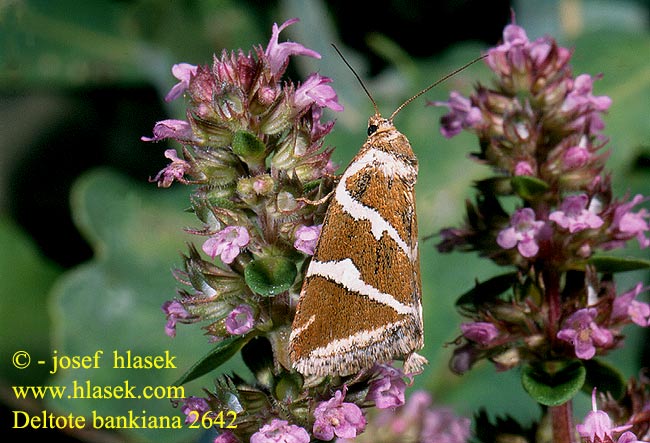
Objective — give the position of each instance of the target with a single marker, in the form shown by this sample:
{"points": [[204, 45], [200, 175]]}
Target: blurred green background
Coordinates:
{"points": [[87, 245]]}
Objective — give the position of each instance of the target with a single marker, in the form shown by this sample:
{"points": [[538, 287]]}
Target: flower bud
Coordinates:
{"points": [[290, 149], [277, 118], [250, 189], [219, 167], [263, 184], [507, 360], [267, 95], [464, 358], [286, 202], [575, 157], [247, 145], [211, 281], [509, 313], [534, 341]]}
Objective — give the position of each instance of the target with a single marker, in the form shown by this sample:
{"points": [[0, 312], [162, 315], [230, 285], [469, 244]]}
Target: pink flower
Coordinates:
{"points": [[280, 431], [628, 437], [574, 215], [176, 170], [240, 320], [442, 425], [174, 311], [627, 224], [480, 332], [418, 420], [626, 307], [319, 129], [581, 99], [334, 417], [461, 115], [306, 238], [194, 408], [523, 232], [581, 102], [464, 358], [523, 168], [316, 90], [278, 53], [512, 52], [226, 437], [227, 243], [183, 72], [387, 391], [584, 333], [178, 130], [576, 157], [598, 427]]}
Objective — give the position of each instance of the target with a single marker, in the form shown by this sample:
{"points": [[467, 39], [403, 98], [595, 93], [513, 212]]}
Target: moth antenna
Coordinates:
{"points": [[358, 78], [437, 82]]}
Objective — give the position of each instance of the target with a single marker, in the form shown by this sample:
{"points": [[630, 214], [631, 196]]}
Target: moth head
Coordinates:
{"points": [[377, 124]]}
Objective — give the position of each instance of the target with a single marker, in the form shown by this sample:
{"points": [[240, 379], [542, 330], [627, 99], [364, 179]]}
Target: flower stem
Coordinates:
{"points": [[561, 416], [553, 298], [562, 422]]}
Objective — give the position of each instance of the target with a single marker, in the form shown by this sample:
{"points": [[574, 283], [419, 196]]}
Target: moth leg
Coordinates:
{"points": [[320, 201]]}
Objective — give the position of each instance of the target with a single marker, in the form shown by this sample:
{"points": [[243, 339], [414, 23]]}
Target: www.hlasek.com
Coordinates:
{"points": [[87, 389]]}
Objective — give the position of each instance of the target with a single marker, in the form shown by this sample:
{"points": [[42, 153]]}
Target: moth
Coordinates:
{"points": [[361, 299]]}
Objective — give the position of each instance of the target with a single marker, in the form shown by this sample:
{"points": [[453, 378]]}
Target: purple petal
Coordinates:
{"points": [[480, 332], [240, 320], [183, 72], [280, 431], [175, 129], [307, 238], [513, 34], [507, 238], [523, 168], [528, 247], [639, 312], [316, 90], [628, 437], [576, 157], [584, 349], [279, 53]]}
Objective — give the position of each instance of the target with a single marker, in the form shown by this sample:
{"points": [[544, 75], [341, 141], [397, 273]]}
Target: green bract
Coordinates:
{"points": [[270, 276]]}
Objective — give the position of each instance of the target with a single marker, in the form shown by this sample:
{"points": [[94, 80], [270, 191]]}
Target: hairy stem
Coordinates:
{"points": [[562, 422], [553, 298]]}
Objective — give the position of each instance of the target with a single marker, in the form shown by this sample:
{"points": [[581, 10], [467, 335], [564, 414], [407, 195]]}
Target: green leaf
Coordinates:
{"points": [[604, 377], [221, 353], [528, 187], [270, 275], [553, 386], [488, 290], [25, 280], [611, 264]]}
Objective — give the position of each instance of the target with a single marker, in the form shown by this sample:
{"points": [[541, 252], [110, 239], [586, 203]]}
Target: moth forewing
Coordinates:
{"points": [[360, 303]]}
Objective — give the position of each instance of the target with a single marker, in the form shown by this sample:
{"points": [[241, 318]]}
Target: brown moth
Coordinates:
{"points": [[361, 299]]}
